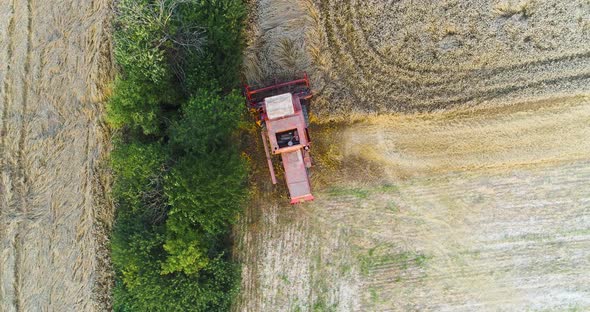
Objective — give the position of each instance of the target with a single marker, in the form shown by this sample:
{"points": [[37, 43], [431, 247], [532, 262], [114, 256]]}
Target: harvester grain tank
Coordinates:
{"points": [[282, 112]]}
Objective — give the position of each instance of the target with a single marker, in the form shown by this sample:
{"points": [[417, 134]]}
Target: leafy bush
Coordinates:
{"points": [[150, 34], [206, 187], [207, 191], [139, 168], [211, 291], [184, 249], [179, 176], [222, 53], [135, 105], [141, 286], [208, 122]]}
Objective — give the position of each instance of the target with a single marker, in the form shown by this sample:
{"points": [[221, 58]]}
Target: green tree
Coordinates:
{"points": [[211, 291], [205, 194], [219, 63], [151, 34], [136, 105], [179, 177], [139, 169], [208, 123]]}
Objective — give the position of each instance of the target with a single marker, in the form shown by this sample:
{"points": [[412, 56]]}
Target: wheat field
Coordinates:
{"points": [[383, 56], [54, 216], [450, 141], [451, 158]]}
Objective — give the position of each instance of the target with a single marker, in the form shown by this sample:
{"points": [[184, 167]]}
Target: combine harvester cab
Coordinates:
{"points": [[282, 112]]}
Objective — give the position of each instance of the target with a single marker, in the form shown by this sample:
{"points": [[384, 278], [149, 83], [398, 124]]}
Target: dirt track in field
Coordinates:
{"points": [[475, 198], [54, 63]]}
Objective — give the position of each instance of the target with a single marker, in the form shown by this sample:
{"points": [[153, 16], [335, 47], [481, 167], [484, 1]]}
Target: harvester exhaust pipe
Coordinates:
{"points": [[268, 159]]}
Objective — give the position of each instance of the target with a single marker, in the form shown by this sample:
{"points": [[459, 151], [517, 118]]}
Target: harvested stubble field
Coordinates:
{"points": [[452, 159], [54, 63]]}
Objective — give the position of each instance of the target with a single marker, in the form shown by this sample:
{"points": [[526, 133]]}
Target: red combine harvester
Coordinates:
{"points": [[282, 112]]}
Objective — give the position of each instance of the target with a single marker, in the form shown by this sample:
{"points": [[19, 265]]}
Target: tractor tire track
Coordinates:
{"points": [[363, 75], [409, 70], [14, 210], [444, 80], [19, 276]]}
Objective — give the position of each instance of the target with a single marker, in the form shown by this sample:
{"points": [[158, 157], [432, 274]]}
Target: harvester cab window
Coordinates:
{"points": [[287, 138]]}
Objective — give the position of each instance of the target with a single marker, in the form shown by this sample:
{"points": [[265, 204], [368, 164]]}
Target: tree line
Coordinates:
{"points": [[179, 177]]}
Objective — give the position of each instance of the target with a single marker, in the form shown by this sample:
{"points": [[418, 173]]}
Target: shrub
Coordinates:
{"points": [[211, 291], [176, 265], [205, 194], [184, 248], [208, 122], [141, 286], [179, 176], [139, 168], [150, 34], [207, 191], [135, 105], [220, 61]]}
